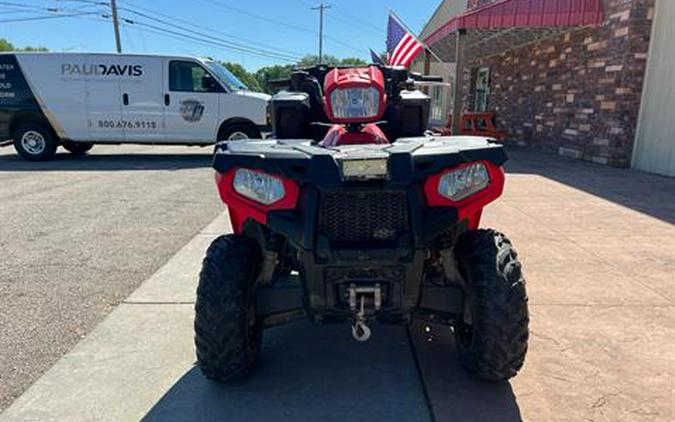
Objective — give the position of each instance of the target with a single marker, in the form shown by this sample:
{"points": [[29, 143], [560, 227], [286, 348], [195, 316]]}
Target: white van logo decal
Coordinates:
{"points": [[72, 69], [191, 110]]}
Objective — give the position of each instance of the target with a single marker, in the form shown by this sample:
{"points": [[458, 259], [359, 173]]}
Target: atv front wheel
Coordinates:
{"points": [[227, 332], [492, 341]]}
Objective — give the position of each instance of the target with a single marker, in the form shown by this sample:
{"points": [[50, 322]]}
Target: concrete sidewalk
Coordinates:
{"points": [[139, 364]]}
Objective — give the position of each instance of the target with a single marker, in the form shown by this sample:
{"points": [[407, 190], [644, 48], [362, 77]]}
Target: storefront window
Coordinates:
{"points": [[482, 89], [437, 106]]}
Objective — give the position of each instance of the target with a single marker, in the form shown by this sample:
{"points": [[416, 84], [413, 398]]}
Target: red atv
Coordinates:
{"points": [[355, 213]]}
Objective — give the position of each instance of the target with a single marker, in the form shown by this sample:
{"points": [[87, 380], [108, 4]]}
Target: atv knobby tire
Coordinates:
{"points": [[227, 333], [493, 344]]}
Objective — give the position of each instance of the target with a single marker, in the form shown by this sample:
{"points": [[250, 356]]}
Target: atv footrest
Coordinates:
{"points": [[441, 303], [281, 302]]}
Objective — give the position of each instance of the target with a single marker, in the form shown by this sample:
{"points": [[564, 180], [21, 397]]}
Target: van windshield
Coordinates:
{"points": [[225, 76]]}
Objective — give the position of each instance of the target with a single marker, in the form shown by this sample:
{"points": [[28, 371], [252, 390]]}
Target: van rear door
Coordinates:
{"points": [[104, 98], [141, 85], [192, 103], [57, 82]]}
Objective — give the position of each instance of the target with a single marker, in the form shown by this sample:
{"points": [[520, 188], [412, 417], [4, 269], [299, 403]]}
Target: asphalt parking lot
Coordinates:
{"points": [[79, 236]]}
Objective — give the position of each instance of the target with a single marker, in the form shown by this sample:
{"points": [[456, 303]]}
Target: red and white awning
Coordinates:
{"points": [[510, 24]]}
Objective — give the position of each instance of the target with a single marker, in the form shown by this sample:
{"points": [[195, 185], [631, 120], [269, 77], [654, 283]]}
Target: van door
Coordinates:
{"points": [[191, 103], [57, 82], [141, 86], [104, 98]]}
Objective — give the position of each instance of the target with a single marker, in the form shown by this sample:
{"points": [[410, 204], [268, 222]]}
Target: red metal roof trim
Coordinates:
{"points": [[524, 13]]}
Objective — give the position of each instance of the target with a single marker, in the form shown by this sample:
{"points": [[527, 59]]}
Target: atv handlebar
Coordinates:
{"points": [[417, 77], [396, 78]]}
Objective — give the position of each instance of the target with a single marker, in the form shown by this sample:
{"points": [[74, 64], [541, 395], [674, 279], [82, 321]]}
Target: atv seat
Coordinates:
{"points": [[317, 114]]}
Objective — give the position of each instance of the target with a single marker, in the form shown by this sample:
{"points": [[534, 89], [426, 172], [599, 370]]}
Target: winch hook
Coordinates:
{"points": [[361, 331]]}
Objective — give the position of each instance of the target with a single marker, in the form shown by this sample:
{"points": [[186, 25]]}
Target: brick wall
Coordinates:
{"points": [[577, 94]]}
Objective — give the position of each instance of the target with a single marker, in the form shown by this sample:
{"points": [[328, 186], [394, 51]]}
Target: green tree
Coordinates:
{"points": [[32, 49], [353, 61], [313, 60], [266, 74], [245, 76], [261, 80], [5, 45]]}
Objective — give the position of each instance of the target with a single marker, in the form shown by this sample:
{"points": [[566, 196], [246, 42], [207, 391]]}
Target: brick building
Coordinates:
{"points": [[574, 84]]}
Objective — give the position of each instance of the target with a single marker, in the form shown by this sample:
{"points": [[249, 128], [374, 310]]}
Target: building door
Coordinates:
{"points": [[654, 149], [482, 89]]}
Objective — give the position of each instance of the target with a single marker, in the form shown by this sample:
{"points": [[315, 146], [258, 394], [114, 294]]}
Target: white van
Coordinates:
{"points": [[76, 100]]}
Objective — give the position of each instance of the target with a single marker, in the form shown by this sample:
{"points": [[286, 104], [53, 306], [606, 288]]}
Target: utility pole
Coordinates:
{"points": [[321, 8], [116, 25]]}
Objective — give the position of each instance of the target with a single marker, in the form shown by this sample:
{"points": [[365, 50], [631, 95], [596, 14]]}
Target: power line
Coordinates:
{"points": [[23, 6], [354, 21], [37, 18], [220, 41], [92, 2], [33, 8], [211, 30], [210, 40], [232, 44], [195, 40], [262, 18], [281, 23]]}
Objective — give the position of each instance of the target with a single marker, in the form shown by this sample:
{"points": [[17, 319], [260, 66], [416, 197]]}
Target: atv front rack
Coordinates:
{"points": [[409, 159]]}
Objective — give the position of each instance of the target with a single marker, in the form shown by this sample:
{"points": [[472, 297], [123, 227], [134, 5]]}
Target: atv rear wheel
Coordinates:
{"points": [[492, 341], [227, 332]]}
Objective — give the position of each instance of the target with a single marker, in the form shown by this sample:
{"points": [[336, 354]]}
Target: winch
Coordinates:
{"points": [[357, 304]]}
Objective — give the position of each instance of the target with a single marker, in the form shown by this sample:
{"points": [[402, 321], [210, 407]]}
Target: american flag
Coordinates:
{"points": [[375, 58], [402, 47]]}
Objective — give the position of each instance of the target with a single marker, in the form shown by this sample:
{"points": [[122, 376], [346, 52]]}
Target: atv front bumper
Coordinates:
{"points": [[361, 246]]}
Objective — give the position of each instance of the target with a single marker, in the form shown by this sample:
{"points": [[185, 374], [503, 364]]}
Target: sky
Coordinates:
{"points": [[220, 29]]}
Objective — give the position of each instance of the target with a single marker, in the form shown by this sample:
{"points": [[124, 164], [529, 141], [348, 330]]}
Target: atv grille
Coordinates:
{"points": [[363, 216]]}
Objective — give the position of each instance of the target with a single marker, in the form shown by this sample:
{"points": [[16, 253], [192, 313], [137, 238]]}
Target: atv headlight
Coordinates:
{"points": [[355, 103], [258, 186], [463, 182]]}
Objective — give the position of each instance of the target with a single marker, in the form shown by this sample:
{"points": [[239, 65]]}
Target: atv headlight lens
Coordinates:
{"points": [[258, 186], [461, 183], [355, 103]]}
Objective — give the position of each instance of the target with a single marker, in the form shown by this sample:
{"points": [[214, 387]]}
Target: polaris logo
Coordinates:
{"points": [[71, 69]]}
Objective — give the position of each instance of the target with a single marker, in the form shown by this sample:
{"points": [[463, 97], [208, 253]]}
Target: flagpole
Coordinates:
{"points": [[459, 65]]}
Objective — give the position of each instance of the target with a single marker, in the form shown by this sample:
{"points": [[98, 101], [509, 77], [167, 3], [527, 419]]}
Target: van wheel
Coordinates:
{"points": [[238, 131], [77, 148], [35, 142]]}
